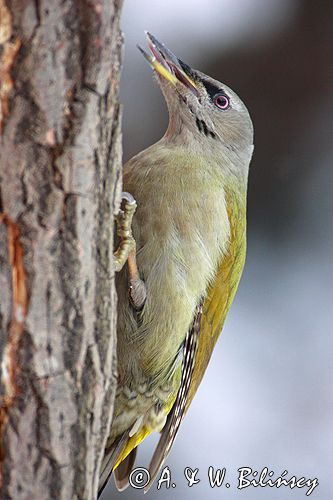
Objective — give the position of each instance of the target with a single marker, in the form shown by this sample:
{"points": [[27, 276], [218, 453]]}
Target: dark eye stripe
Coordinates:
{"points": [[212, 89]]}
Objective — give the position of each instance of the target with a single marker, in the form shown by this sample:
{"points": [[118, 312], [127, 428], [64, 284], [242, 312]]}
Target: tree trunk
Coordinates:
{"points": [[60, 155]]}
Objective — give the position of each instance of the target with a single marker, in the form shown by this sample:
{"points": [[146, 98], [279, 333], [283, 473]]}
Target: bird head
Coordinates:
{"points": [[202, 111]]}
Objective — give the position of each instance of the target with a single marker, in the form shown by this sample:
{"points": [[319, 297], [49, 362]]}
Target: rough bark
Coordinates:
{"points": [[59, 189]]}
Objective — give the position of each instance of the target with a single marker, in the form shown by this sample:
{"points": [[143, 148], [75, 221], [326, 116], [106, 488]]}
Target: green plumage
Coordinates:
{"points": [[189, 229]]}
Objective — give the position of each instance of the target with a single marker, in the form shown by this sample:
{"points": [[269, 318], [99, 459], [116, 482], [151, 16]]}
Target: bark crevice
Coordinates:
{"points": [[60, 164]]}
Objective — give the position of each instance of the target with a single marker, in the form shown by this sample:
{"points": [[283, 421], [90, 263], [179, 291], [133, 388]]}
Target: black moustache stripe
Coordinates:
{"points": [[202, 127]]}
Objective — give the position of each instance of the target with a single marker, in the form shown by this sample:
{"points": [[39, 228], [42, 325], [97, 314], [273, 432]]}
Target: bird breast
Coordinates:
{"points": [[181, 228]]}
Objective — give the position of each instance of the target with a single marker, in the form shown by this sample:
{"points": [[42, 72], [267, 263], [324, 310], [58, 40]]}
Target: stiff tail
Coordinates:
{"points": [[111, 455], [126, 445], [123, 471]]}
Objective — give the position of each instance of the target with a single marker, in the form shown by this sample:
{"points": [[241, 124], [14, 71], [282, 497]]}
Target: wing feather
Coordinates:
{"points": [[220, 295], [206, 329], [176, 415], [199, 344]]}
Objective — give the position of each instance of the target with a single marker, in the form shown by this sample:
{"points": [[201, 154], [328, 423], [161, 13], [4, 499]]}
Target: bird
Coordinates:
{"points": [[182, 248]]}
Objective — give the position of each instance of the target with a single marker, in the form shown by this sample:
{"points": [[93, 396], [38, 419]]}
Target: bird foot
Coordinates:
{"points": [[124, 231], [126, 252]]}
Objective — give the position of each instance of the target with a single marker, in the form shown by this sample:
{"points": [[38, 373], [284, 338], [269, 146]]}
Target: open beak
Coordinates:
{"points": [[166, 64]]}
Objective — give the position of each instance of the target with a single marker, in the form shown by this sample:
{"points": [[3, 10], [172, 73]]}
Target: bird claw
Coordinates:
{"points": [[126, 252], [124, 231]]}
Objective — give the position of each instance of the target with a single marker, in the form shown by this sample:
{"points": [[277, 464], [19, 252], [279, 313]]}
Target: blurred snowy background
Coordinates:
{"points": [[266, 399]]}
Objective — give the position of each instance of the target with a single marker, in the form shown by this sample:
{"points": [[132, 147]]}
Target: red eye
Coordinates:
{"points": [[222, 101]]}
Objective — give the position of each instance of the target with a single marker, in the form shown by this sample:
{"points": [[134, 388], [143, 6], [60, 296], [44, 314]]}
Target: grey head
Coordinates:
{"points": [[201, 110]]}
